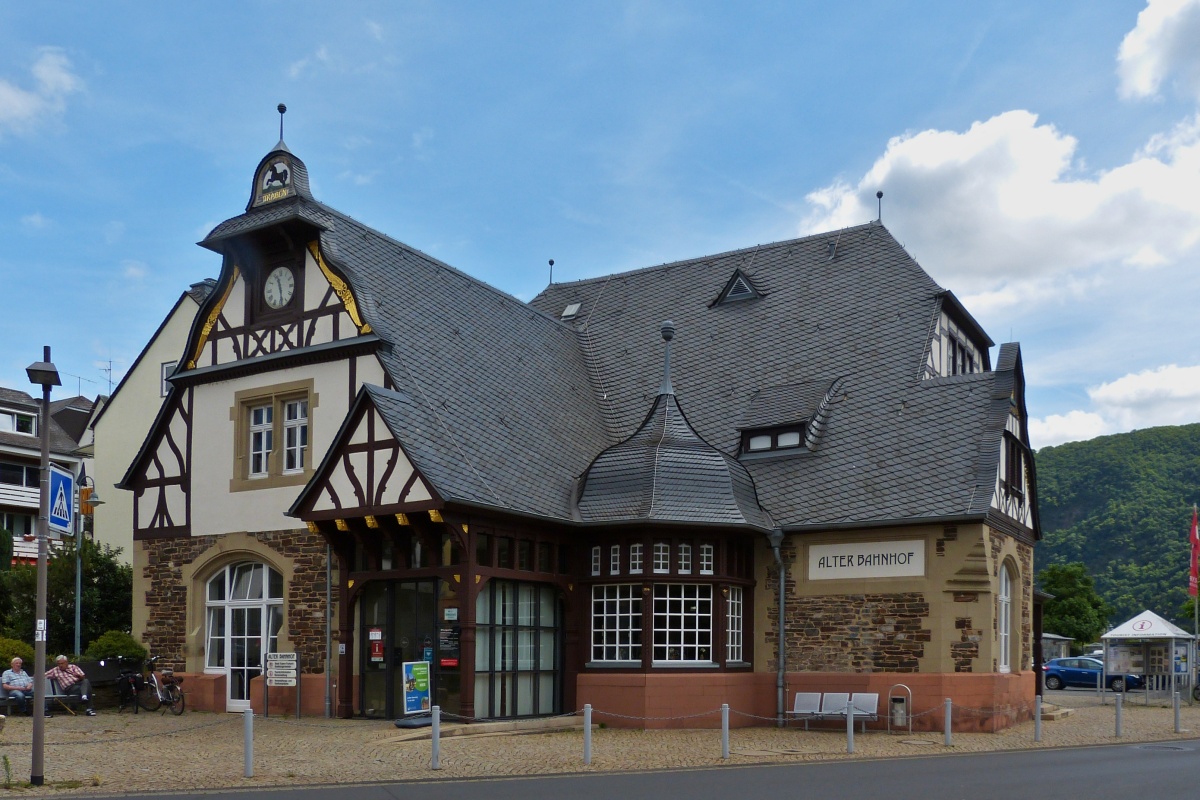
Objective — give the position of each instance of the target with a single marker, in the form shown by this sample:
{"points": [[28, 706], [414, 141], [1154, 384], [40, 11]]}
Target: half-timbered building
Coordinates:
{"points": [[370, 458]]}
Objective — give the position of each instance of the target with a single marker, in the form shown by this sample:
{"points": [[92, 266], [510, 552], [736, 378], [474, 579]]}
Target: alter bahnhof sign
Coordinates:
{"points": [[900, 559]]}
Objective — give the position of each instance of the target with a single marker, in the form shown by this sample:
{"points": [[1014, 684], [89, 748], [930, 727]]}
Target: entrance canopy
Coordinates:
{"points": [[1146, 625]]}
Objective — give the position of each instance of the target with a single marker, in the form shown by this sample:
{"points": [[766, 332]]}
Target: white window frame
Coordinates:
{"points": [[295, 435], [262, 434], [734, 626], [682, 631], [8, 421], [685, 559], [617, 623], [596, 560], [635, 559], [1004, 620], [614, 560], [662, 558], [219, 626], [707, 559]]}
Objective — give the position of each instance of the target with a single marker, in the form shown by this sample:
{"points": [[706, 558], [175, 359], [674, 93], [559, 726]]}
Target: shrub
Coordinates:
{"points": [[115, 644], [11, 648]]}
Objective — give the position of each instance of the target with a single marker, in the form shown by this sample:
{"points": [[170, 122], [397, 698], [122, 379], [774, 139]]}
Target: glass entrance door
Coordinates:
{"points": [[398, 622], [245, 613]]}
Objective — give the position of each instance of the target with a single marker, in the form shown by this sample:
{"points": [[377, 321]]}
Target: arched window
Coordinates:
{"points": [[244, 613], [1004, 619]]}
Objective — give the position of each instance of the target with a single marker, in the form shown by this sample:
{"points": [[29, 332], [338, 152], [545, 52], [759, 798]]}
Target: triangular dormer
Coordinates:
{"points": [[739, 287]]}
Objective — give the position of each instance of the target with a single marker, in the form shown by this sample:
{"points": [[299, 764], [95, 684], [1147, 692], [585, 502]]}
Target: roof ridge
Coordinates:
{"points": [[713, 256]]}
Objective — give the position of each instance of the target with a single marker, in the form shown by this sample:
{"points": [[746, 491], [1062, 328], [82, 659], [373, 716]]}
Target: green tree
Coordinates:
{"points": [[1077, 610], [107, 594]]}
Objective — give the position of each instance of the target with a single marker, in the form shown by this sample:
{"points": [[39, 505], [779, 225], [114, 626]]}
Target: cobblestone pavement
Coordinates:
{"points": [[119, 753]]}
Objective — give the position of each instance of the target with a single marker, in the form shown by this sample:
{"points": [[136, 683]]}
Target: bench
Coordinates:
{"points": [[862, 706], [9, 704]]}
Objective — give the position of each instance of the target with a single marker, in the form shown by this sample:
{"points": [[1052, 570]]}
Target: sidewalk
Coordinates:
{"points": [[116, 753]]}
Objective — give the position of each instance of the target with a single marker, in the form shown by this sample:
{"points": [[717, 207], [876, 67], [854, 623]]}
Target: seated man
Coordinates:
{"points": [[18, 684], [72, 681]]}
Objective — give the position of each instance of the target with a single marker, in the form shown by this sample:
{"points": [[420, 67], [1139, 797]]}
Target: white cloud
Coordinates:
{"points": [[297, 68], [1002, 206], [359, 178], [1166, 395], [1073, 426], [375, 30], [1164, 42], [133, 270], [22, 109], [34, 222]]}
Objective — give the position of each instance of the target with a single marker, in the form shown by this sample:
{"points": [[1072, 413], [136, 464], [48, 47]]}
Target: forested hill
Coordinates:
{"points": [[1122, 505]]}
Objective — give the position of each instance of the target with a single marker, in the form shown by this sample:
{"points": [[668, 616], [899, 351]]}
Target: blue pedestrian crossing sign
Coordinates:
{"points": [[62, 500]]}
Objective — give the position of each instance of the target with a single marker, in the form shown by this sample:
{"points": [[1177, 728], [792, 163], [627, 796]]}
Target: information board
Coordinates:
{"points": [[416, 687]]}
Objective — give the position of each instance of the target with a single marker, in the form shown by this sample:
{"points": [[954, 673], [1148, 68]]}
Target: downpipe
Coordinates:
{"points": [[775, 537]]}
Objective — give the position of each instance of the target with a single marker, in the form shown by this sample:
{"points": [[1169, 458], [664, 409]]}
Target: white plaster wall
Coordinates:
{"points": [[124, 425], [215, 509]]}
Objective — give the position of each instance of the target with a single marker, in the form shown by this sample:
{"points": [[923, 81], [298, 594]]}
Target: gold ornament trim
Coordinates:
{"points": [[371, 521], [435, 515], [312, 527], [341, 524], [339, 287], [206, 329], [402, 519]]}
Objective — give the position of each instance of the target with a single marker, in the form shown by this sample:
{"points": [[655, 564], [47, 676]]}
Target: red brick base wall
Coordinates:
{"points": [[981, 702]]}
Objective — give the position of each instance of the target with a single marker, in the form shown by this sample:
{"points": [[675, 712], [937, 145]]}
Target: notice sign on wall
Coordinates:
{"points": [[866, 560]]}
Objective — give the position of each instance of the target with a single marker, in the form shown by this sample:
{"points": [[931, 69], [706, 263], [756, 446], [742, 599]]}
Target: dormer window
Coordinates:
{"points": [[739, 287], [764, 440], [570, 311], [18, 422]]}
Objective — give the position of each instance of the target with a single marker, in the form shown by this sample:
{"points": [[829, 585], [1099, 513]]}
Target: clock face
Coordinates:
{"points": [[277, 291]]}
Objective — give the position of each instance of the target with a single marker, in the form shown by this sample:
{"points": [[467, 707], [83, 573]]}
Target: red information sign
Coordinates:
{"points": [[376, 637]]}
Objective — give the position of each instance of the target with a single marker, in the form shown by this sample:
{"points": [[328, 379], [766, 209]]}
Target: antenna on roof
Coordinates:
{"points": [[552, 270], [282, 109], [878, 199]]}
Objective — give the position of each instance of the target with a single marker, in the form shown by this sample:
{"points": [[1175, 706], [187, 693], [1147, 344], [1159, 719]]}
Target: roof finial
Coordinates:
{"points": [[878, 199], [552, 270], [668, 333], [282, 109]]}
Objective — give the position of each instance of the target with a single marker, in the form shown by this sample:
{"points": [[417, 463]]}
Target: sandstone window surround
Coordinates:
{"points": [[272, 429], [1004, 620]]}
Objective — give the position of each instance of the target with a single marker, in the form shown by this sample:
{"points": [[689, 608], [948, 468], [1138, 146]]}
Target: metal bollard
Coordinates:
{"points": [[435, 759], [587, 734], [850, 728], [248, 743], [725, 731], [1120, 698], [1037, 718], [1177, 729], [949, 720]]}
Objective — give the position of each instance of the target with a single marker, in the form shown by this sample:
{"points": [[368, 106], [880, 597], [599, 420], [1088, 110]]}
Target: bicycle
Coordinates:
{"points": [[160, 689]]}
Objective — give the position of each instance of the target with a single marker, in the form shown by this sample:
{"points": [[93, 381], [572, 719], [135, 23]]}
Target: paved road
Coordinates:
{"points": [[1163, 771]]}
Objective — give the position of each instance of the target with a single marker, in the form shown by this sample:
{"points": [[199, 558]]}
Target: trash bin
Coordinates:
{"points": [[899, 712]]}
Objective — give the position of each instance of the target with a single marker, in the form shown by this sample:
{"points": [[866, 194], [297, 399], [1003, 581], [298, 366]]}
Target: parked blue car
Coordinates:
{"points": [[1083, 671]]}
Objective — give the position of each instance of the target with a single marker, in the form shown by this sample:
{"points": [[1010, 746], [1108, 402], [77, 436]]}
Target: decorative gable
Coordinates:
{"points": [[365, 471]]}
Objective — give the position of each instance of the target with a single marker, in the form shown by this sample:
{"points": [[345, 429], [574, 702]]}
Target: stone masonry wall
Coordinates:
{"points": [[857, 633], [167, 598]]}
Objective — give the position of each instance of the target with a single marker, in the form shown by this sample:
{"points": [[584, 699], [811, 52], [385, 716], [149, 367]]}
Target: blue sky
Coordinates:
{"points": [[1041, 160]]}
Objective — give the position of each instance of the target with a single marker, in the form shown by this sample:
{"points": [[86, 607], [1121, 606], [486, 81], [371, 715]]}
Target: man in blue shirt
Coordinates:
{"points": [[17, 683]]}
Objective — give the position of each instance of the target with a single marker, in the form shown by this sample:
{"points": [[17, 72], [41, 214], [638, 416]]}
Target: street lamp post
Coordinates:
{"points": [[44, 374]]}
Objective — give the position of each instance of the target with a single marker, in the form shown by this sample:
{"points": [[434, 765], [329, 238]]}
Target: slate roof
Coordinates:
{"points": [[61, 440], [499, 408], [501, 404], [664, 472], [894, 448]]}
